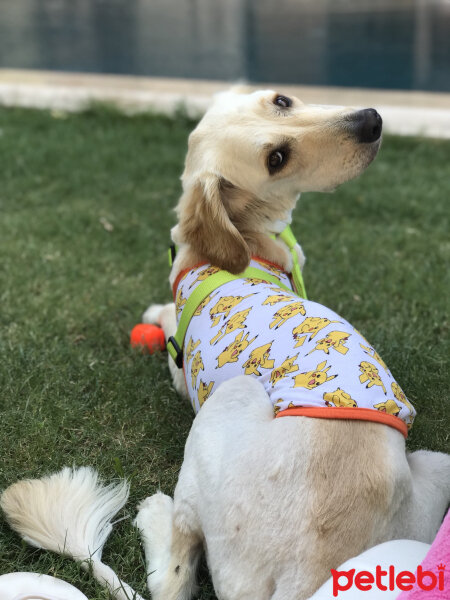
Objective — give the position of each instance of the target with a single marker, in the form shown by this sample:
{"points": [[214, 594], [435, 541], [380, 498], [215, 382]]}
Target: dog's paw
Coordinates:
{"points": [[152, 314], [154, 521], [154, 516], [157, 501]]}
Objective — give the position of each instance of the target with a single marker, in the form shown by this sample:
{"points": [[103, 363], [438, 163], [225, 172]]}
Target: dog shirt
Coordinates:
{"points": [[311, 361]]}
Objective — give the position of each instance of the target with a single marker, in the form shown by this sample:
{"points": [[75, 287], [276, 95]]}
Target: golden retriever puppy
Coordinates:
{"points": [[275, 502], [248, 160]]}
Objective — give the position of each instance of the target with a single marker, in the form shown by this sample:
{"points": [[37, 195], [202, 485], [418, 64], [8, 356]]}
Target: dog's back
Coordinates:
{"points": [[323, 486]]}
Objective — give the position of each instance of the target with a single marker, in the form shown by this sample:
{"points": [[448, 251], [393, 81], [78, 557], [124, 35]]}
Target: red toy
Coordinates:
{"points": [[149, 338]]}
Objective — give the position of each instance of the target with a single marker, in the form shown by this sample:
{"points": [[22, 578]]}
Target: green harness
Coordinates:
{"points": [[175, 343]]}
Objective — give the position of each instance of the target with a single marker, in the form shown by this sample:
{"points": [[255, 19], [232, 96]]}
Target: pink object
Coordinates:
{"points": [[437, 556]]}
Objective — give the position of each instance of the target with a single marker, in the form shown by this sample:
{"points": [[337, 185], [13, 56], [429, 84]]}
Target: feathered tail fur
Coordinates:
{"points": [[70, 513]]}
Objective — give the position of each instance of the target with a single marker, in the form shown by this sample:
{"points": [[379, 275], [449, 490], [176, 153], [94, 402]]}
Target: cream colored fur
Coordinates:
{"points": [[275, 503], [69, 513]]}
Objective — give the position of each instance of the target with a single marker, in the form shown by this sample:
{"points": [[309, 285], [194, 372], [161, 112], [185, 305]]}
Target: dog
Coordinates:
{"points": [[247, 162], [275, 503], [240, 187]]}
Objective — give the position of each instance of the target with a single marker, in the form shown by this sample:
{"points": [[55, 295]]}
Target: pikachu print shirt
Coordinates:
{"points": [[304, 354]]}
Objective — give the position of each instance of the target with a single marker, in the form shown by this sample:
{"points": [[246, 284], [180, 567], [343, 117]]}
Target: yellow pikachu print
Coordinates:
{"points": [[274, 270], [232, 352], [237, 321], [204, 274], [286, 367], [277, 406], [196, 366], [390, 407], [259, 358], [339, 398], [312, 379], [204, 391], [400, 396], [180, 301], [334, 340], [223, 307], [374, 354], [285, 313], [190, 347], [203, 303], [253, 281], [271, 300], [309, 326], [369, 373]]}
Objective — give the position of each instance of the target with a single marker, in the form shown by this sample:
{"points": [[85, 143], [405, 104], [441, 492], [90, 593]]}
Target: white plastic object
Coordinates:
{"points": [[404, 555], [33, 586]]}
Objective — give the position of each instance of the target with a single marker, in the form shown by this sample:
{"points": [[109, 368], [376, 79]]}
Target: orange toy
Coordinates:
{"points": [[149, 338]]}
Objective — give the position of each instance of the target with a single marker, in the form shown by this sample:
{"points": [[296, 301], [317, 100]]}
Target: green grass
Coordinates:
{"points": [[72, 390]]}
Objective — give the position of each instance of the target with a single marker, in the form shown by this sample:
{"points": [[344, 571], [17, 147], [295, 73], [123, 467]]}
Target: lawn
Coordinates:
{"points": [[86, 207]]}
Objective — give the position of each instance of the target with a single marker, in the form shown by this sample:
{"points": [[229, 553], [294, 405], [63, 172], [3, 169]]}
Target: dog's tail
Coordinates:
{"points": [[70, 513]]}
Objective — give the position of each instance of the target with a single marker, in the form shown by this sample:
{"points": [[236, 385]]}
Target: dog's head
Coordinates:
{"points": [[250, 157]]}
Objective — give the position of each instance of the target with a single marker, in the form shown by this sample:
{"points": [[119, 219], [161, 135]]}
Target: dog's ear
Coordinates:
{"points": [[205, 224]]}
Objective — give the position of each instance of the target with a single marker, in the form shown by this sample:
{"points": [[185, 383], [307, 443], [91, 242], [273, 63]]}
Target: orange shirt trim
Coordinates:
{"points": [[350, 413]]}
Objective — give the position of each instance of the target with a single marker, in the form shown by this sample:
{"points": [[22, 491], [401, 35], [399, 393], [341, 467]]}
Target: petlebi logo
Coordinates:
{"points": [[388, 579]]}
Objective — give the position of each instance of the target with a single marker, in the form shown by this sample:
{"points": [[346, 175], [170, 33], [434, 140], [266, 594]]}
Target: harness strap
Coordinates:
{"points": [[289, 239], [203, 290]]}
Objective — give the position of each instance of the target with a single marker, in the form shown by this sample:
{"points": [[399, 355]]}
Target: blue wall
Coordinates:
{"points": [[402, 44]]}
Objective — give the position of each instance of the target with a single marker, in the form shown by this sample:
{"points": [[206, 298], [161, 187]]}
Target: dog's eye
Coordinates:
{"points": [[283, 101], [276, 159]]}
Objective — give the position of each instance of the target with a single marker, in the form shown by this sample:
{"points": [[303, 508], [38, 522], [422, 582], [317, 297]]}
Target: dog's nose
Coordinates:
{"points": [[366, 124]]}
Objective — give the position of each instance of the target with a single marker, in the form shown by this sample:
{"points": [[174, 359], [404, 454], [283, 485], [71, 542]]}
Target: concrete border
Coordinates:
{"points": [[403, 112]]}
